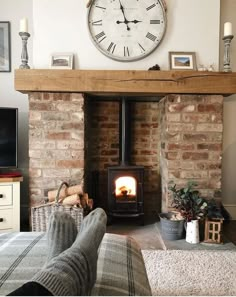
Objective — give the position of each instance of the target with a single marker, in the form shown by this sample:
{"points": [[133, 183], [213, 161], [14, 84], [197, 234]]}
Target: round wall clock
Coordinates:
{"points": [[127, 30]]}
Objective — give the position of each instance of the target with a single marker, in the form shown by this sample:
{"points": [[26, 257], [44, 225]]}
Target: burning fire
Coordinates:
{"points": [[125, 186]]}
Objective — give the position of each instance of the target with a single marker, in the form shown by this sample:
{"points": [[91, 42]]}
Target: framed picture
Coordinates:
{"points": [[5, 47], [182, 60], [61, 61]]}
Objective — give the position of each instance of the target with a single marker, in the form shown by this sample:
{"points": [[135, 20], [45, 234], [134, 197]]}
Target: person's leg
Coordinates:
{"points": [[31, 289], [61, 234], [74, 271]]}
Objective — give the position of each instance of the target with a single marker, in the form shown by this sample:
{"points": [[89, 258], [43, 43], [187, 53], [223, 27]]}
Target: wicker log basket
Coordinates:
{"points": [[41, 213]]}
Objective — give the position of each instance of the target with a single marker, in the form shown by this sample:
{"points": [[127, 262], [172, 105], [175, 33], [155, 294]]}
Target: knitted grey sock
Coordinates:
{"points": [[73, 272], [61, 233]]}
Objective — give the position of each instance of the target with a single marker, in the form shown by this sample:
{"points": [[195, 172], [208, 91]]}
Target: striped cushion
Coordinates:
{"points": [[121, 270]]}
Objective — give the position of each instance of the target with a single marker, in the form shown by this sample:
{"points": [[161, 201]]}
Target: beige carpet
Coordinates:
{"points": [[196, 273]]}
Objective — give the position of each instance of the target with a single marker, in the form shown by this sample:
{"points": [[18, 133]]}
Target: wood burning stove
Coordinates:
{"points": [[125, 181]]}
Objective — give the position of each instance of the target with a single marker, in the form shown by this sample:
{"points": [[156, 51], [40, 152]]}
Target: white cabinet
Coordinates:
{"points": [[10, 204]]}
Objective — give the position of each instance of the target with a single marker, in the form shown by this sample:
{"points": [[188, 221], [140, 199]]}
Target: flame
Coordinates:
{"points": [[125, 185]]}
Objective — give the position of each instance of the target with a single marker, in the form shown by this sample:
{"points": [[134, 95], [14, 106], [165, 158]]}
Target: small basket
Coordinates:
{"points": [[40, 214]]}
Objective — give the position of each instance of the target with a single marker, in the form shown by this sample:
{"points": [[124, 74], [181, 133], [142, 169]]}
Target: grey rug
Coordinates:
{"points": [[186, 272]]}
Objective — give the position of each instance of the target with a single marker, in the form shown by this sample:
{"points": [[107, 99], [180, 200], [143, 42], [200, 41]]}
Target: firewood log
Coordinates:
{"points": [[90, 204], [76, 189], [84, 200], [71, 200]]}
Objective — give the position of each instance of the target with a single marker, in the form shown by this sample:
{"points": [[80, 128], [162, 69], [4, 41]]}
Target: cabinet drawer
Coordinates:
{"points": [[5, 195], [5, 219]]}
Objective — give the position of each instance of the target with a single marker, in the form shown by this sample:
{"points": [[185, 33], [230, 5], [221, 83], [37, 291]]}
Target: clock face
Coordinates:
{"points": [[126, 30]]}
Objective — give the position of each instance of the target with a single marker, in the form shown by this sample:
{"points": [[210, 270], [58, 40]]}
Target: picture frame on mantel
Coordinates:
{"points": [[5, 47], [182, 61], [61, 61]]}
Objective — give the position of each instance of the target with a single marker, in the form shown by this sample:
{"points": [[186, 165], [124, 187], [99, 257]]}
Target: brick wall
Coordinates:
{"points": [[56, 142], [191, 143], [76, 139]]}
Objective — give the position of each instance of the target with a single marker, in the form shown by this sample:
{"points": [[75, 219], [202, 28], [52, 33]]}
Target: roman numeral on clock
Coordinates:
{"points": [[151, 36], [150, 7], [126, 51], [111, 47], [100, 36], [153, 22], [143, 49], [100, 7], [97, 23]]}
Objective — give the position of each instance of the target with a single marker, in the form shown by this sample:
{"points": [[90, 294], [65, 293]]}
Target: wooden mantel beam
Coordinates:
{"points": [[127, 82]]}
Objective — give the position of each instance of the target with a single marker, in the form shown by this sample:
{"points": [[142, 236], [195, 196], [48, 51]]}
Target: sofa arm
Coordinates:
{"points": [[120, 268]]}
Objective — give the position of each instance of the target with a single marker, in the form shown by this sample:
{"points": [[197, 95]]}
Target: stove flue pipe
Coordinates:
{"points": [[124, 131]]}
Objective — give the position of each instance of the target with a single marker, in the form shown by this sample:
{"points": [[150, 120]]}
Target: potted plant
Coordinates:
{"points": [[189, 202], [194, 208]]}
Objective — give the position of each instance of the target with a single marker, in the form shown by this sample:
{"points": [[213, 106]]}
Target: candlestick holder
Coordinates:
{"points": [[24, 55], [227, 42]]}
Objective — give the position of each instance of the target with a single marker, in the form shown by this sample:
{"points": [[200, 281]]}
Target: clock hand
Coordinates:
{"points": [[125, 20], [135, 21]]}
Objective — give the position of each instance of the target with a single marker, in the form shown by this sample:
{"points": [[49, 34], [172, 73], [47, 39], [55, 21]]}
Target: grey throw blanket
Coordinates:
{"points": [[120, 269]]}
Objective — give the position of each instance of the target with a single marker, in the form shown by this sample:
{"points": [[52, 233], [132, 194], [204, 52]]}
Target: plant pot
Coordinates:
{"points": [[171, 230]]}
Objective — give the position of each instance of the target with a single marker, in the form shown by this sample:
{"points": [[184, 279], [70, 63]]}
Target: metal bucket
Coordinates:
{"points": [[171, 230]]}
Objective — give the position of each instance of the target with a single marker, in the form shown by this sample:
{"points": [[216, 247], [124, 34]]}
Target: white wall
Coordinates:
{"points": [[60, 26], [8, 95], [13, 11], [228, 14]]}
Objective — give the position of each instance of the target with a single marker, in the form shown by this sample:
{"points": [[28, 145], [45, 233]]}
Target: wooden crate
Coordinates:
{"points": [[213, 230]]}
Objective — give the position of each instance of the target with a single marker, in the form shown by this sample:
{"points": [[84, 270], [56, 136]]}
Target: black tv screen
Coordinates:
{"points": [[8, 137]]}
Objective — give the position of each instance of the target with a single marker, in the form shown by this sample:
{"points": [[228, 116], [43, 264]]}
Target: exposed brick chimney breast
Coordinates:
{"points": [[56, 142], [178, 138], [191, 143]]}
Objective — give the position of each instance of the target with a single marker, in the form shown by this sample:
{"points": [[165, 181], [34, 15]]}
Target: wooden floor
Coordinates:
{"points": [[229, 230]]}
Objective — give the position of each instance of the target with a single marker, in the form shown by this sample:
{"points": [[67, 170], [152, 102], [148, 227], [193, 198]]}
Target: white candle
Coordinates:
{"points": [[24, 25], [228, 29]]}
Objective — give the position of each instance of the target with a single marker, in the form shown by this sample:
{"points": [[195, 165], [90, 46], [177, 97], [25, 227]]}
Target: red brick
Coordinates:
{"points": [[209, 128], [180, 107], [210, 146], [69, 106], [109, 125], [196, 174], [172, 156], [108, 152], [177, 127], [70, 164], [41, 106], [210, 108], [196, 118], [46, 96], [148, 152], [70, 126], [58, 135], [183, 147], [55, 116], [195, 137], [195, 156]]}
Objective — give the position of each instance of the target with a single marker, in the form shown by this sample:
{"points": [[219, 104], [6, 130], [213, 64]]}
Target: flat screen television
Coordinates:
{"points": [[8, 137]]}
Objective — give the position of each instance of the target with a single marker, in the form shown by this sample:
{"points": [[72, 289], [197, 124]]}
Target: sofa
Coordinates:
{"points": [[120, 268]]}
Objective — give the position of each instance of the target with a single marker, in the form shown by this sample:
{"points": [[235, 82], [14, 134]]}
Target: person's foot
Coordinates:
{"points": [[73, 272]]}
